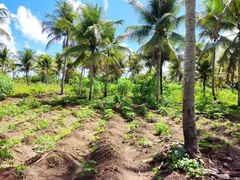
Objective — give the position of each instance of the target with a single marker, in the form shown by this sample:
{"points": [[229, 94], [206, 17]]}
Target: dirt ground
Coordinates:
{"points": [[117, 158]]}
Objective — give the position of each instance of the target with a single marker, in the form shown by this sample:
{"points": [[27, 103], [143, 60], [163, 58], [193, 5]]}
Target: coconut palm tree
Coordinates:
{"points": [[90, 34], [204, 70], [189, 126], [160, 19], [4, 16], [46, 64], [231, 15], [135, 65], [5, 56], [59, 26], [212, 22], [59, 61], [27, 60]]}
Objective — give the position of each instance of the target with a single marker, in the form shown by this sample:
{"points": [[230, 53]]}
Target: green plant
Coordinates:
{"points": [[88, 167], [101, 127], [12, 126], [161, 128], [150, 118], [124, 87], [133, 125], [131, 136], [179, 159], [157, 173], [20, 169], [30, 103], [47, 142], [4, 151], [108, 114], [41, 124], [144, 142], [143, 110], [6, 86], [84, 114]]}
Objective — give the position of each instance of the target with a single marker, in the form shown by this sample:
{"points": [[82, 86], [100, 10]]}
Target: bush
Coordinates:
{"points": [[124, 87], [6, 86]]}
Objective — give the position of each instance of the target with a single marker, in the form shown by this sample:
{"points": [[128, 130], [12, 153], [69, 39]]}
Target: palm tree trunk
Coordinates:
{"points": [[27, 77], [239, 82], [80, 81], [204, 86], [63, 76], [91, 76], [232, 79], [161, 77], [213, 74], [105, 87], [47, 76], [189, 126], [158, 75]]}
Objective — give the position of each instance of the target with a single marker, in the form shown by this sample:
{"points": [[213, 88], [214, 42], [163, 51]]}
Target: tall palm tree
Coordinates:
{"points": [[46, 64], [4, 16], [27, 59], [59, 61], [135, 65], [189, 126], [212, 22], [90, 36], [59, 26], [231, 14], [204, 70], [160, 19], [5, 56]]}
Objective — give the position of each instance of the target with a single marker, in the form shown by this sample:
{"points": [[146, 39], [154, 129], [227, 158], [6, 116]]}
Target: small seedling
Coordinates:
{"points": [[133, 125], [144, 142], [20, 169]]}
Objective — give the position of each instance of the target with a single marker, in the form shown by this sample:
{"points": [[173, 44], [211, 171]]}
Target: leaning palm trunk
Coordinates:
{"points": [[158, 75], [239, 82], [213, 74], [189, 126]]}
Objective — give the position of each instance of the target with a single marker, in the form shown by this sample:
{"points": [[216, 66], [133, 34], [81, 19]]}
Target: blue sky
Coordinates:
{"points": [[29, 13]]}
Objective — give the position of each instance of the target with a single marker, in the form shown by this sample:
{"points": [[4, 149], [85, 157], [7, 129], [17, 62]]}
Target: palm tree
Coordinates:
{"points": [[231, 15], [135, 66], [4, 16], [160, 19], [46, 64], [90, 35], [5, 57], [59, 27], [26, 58], [189, 126], [59, 61], [211, 23], [204, 70]]}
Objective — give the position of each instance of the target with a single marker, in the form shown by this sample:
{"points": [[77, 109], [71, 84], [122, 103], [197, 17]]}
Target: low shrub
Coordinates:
{"points": [[6, 86]]}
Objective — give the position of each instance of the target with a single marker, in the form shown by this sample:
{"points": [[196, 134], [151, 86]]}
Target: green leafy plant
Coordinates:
{"points": [[157, 173], [150, 118], [108, 114], [101, 127], [133, 125], [88, 167], [41, 124], [6, 86], [179, 159], [4, 151], [161, 128], [144, 142], [143, 110], [20, 169]]}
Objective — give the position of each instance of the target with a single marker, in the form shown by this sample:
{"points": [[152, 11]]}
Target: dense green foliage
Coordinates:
{"points": [[6, 86]]}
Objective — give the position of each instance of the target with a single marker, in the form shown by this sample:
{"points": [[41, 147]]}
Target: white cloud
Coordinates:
{"points": [[105, 5], [75, 4], [29, 25], [6, 26], [39, 52], [124, 44]]}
